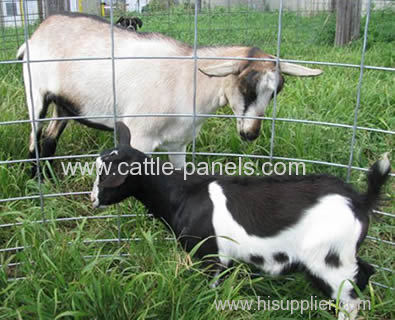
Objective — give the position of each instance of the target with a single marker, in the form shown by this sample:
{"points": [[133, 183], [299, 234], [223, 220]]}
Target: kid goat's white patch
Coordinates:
{"points": [[384, 163], [95, 190], [328, 225]]}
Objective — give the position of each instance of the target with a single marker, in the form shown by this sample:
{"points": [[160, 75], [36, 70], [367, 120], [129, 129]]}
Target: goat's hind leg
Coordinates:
{"points": [[351, 303], [52, 133], [38, 107], [364, 272], [334, 281]]}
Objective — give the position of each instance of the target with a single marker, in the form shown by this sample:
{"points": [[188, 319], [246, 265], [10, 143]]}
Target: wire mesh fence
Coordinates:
{"points": [[280, 25]]}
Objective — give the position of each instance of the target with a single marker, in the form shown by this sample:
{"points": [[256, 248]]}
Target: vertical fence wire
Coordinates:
{"points": [[114, 90], [34, 123], [114, 95], [195, 63], [277, 75], [24, 17], [354, 129]]}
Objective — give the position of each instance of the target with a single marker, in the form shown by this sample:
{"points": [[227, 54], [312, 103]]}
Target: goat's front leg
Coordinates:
{"points": [[178, 160], [217, 280], [143, 144], [214, 267]]}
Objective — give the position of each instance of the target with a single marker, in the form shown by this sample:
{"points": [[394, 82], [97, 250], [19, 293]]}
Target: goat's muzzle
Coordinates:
{"points": [[249, 136]]}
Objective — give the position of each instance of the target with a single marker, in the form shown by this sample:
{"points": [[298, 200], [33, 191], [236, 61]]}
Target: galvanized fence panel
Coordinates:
{"points": [[25, 22]]}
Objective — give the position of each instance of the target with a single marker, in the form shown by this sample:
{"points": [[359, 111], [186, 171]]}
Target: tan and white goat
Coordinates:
{"points": [[143, 86]]}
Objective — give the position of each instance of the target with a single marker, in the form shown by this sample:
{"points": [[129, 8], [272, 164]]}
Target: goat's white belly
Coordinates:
{"points": [[330, 224], [177, 132], [169, 133], [140, 89]]}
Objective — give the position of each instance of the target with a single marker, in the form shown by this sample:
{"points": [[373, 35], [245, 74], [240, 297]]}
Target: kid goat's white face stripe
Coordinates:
{"points": [[329, 225]]}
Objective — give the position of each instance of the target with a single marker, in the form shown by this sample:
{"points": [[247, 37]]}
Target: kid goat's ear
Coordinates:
{"points": [[113, 181], [123, 133]]}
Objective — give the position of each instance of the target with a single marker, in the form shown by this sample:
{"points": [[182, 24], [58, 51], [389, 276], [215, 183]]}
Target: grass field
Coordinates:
{"points": [[65, 277]]}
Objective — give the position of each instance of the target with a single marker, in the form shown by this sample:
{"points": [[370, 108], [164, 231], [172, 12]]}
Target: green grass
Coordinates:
{"points": [[157, 279]]}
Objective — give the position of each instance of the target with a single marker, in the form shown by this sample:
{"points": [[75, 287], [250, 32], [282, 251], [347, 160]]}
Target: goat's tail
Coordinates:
{"points": [[377, 176], [21, 51]]}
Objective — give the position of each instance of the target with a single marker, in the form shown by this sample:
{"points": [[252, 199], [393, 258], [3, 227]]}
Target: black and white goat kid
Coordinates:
{"points": [[317, 222]]}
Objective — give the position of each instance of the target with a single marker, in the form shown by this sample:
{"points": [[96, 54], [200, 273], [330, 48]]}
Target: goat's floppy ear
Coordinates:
{"points": [[113, 181], [123, 133], [222, 69], [298, 70]]}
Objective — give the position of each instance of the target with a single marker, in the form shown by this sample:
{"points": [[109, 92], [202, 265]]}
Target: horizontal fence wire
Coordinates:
{"points": [[114, 256], [19, 248], [194, 114], [124, 215], [239, 155], [322, 63], [199, 115], [108, 216], [128, 254]]}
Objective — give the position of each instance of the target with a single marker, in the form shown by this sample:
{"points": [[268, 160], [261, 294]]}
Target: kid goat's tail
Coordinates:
{"points": [[377, 176]]}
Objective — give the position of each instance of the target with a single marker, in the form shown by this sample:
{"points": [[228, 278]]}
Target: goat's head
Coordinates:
{"points": [[112, 170], [252, 87], [131, 23]]}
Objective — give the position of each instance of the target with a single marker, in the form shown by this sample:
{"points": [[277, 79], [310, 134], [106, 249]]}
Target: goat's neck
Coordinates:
{"points": [[211, 94], [158, 192]]}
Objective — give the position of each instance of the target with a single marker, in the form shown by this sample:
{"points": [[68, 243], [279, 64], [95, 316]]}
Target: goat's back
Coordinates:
{"points": [[87, 84]]}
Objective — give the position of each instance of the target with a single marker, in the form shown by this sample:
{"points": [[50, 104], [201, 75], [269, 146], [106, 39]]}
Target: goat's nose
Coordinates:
{"points": [[249, 135], [243, 135]]}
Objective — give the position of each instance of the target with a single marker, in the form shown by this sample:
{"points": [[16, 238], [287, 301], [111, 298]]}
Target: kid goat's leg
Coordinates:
{"points": [[214, 266], [219, 268], [332, 277]]}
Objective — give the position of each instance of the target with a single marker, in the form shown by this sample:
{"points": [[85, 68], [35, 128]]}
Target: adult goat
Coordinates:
{"points": [[143, 86]]}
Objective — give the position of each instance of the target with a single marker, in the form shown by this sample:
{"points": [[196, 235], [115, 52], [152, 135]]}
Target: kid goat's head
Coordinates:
{"points": [[113, 167], [252, 86]]}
